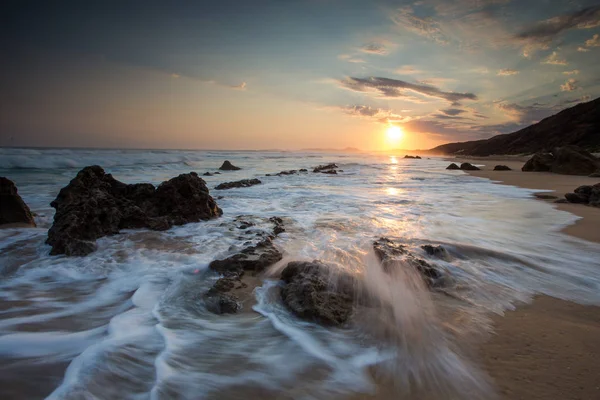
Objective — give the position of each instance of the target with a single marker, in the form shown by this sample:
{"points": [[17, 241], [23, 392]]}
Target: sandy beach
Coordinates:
{"points": [[548, 349]]}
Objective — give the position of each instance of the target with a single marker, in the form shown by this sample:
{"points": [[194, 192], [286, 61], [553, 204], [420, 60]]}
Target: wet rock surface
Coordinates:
{"points": [[587, 194], [568, 160], [227, 166], [13, 209], [413, 157], [311, 292], [392, 254], [453, 166], [502, 168], [238, 184], [94, 204], [326, 169], [468, 167]]}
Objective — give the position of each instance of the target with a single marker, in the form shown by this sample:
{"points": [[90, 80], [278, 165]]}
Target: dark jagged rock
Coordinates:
{"points": [[303, 170], [389, 253], [13, 209], [207, 174], [543, 196], [227, 166], [326, 169], [313, 292], [94, 204], [468, 167], [502, 168], [436, 251], [222, 303], [414, 157], [238, 184], [452, 166], [278, 225], [568, 160], [254, 259], [586, 194]]}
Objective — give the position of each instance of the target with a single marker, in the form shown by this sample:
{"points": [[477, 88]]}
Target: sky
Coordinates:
{"points": [[289, 74]]}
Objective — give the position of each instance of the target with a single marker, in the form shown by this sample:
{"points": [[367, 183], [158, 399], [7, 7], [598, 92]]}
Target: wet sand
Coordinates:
{"points": [[548, 349]]}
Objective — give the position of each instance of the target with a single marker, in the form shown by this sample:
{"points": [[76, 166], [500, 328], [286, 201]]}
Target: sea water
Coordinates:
{"points": [[128, 321]]}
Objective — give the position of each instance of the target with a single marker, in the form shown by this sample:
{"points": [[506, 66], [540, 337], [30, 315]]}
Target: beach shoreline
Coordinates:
{"points": [[546, 349]]}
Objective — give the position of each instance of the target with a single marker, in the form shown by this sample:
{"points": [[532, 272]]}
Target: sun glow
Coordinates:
{"points": [[394, 133]]}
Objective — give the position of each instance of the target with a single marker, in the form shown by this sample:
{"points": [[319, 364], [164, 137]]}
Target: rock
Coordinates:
{"points": [[540, 162], [278, 225], [568, 160], [290, 172], [418, 157], [222, 303], [238, 184], [468, 167], [207, 174], [452, 166], [227, 166], [414, 157], [313, 292], [543, 196], [502, 168], [559, 201], [326, 169], [585, 194], [254, 258], [390, 253], [436, 251], [94, 204], [13, 209], [595, 175], [217, 173], [303, 170]]}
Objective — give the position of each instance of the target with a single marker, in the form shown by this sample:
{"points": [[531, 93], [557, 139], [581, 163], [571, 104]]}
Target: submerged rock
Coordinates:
{"points": [[13, 209], [390, 254], [238, 184], [452, 166], [436, 251], [568, 160], [94, 204], [326, 169], [254, 258], [414, 157], [207, 174], [227, 166], [589, 195], [544, 196], [468, 167], [502, 168], [314, 292]]}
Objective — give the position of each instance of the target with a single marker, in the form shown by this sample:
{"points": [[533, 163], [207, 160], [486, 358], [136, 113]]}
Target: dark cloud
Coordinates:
{"points": [[545, 31], [375, 48], [383, 115], [406, 18], [396, 88], [453, 111], [526, 115]]}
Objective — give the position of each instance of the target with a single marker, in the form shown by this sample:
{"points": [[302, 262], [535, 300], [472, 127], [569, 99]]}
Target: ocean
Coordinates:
{"points": [[128, 320]]}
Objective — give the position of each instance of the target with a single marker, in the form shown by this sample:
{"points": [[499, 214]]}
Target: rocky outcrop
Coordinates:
{"points": [[289, 172], [254, 259], [468, 167], [589, 195], [238, 184], [317, 292], [326, 169], [13, 209], [414, 157], [227, 166], [453, 166], [568, 160], [94, 204], [393, 254], [435, 251], [502, 168]]}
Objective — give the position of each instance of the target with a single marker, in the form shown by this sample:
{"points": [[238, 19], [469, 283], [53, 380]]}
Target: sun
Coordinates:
{"points": [[394, 133]]}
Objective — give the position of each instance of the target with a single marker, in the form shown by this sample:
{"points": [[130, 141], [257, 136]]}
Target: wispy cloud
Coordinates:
{"points": [[582, 49], [569, 86], [241, 86], [426, 27], [175, 76], [408, 70], [553, 59], [381, 115], [351, 59], [394, 88], [593, 42], [507, 72], [453, 111], [375, 48]]}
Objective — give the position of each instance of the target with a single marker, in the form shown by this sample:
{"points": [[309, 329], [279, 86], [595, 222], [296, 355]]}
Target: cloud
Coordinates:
{"points": [[544, 32], [525, 114], [582, 49], [375, 48], [241, 86], [351, 59], [382, 115], [574, 72], [453, 111], [553, 59], [507, 72], [425, 27], [569, 86], [395, 88], [593, 42], [175, 76], [408, 70]]}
